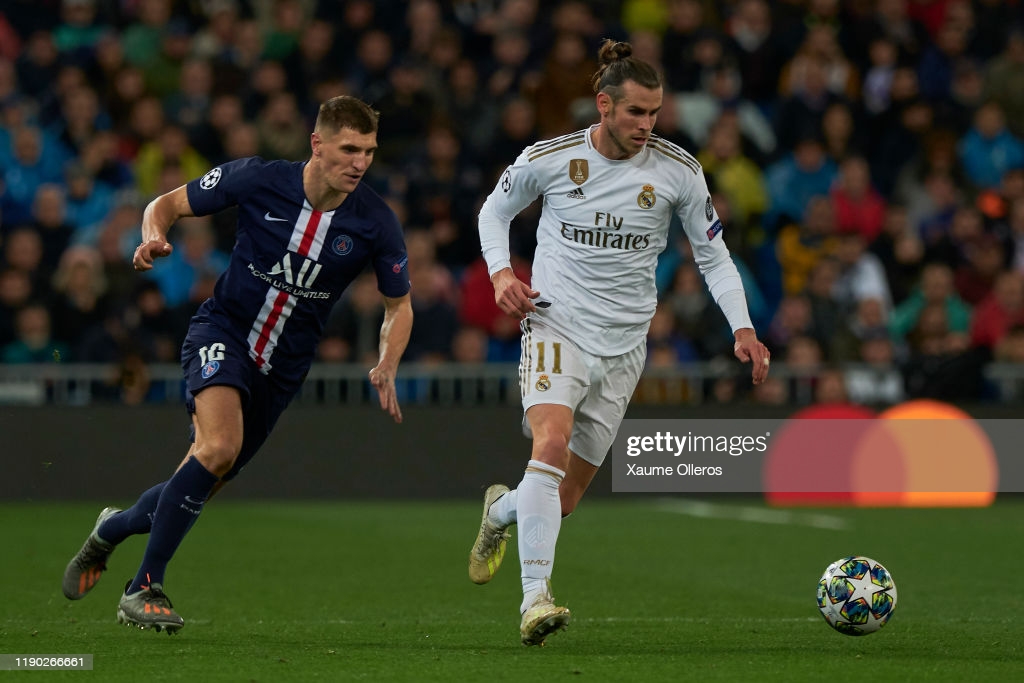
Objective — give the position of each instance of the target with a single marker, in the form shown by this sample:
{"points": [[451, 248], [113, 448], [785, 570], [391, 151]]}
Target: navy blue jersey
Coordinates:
{"points": [[291, 263]]}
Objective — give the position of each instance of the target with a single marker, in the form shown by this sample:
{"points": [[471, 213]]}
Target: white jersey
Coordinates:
{"points": [[602, 226]]}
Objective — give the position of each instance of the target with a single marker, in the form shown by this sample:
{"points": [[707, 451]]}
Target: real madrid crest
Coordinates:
{"points": [[646, 198], [543, 383], [579, 171]]}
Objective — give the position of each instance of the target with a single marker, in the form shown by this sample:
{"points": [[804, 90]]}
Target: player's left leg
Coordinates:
{"points": [[218, 440], [539, 514]]}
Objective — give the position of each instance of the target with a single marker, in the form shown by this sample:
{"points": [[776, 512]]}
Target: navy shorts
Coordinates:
{"points": [[212, 357]]}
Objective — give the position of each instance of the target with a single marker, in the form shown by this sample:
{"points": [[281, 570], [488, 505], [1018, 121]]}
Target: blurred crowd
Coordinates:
{"points": [[866, 157]]}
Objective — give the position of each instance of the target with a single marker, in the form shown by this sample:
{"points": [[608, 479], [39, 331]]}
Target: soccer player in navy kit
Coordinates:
{"points": [[305, 231]]}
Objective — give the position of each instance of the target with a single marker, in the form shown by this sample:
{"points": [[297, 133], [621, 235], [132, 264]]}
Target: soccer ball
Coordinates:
{"points": [[856, 595]]}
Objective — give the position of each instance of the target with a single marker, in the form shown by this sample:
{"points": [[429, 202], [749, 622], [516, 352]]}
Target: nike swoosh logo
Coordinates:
{"points": [[268, 217], [190, 499]]}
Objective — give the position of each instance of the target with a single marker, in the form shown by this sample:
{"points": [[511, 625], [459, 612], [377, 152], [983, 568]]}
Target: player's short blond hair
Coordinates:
{"points": [[346, 111]]}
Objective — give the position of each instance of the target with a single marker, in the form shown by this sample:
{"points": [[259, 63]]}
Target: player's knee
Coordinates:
{"points": [[552, 449], [218, 455]]}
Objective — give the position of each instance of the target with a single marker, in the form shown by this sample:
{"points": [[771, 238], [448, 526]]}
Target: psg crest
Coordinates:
{"points": [[210, 369], [342, 245]]}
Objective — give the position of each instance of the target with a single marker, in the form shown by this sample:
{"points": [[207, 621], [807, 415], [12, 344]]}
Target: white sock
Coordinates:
{"points": [[503, 511], [539, 515]]}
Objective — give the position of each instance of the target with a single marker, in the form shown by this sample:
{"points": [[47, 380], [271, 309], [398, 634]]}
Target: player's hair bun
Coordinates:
{"points": [[612, 51]]}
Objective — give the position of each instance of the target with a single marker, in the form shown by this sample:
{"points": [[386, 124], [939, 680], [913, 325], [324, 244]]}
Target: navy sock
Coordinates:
{"points": [[179, 506], [138, 519]]}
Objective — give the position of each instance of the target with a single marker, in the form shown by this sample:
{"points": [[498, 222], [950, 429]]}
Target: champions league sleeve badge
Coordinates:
{"points": [[210, 180]]}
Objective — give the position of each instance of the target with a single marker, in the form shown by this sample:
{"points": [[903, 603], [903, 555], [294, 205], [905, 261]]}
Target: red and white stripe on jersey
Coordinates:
{"points": [[308, 235]]}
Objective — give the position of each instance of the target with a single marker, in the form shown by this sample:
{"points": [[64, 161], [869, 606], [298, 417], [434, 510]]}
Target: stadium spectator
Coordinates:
{"points": [[696, 316], [861, 274], [478, 309], [469, 345], [38, 64], [15, 293], [282, 129], [562, 83], [939, 58], [941, 364], [23, 251], [805, 359], [896, 134], [883, 55], [80, 300], [701, 110], [49, 220], [857, 204], [79, 30], [937, 155], [1004, 80], [876, 379], [868, 319], [793, 318], [794, 180], [936, 287], [841, 134], [88, 203], [759, 52], [433, 301], [195, 252], [900, 250], [189, 104], [439, 176], [28, 169], [999, 311], [464, 104], [140, 39], [33, 338], [985, 261], [801, 245], [989, 149], [820, 49], [170, 148]]}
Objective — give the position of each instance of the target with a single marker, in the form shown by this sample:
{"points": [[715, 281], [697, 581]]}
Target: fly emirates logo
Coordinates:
{"points": [[294, 278], [605, 234]]}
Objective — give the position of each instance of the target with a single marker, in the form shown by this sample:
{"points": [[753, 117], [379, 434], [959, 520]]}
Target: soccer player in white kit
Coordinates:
{"points": [[609, 193]]}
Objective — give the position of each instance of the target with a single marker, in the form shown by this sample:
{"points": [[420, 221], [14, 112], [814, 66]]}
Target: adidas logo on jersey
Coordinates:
{"points": [[576, 194]]}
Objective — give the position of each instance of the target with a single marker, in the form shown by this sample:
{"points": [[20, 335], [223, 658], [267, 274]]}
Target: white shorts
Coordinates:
{"points": [[553, 370]]}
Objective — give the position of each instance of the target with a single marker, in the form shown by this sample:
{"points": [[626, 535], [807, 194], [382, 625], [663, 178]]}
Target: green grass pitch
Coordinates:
{"points": [[660, 589]]}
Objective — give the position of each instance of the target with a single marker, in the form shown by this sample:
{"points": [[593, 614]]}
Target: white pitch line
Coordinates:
{"points": [[746, 513]]}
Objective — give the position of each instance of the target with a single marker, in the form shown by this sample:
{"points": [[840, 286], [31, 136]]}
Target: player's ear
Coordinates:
{"points": [[314, 143], [604, 103]]}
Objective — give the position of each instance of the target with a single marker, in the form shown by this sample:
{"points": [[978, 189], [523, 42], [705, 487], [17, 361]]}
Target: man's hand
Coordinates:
{"points": [[512, 295], [384, 382], [149, 251], [748, 348]]}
